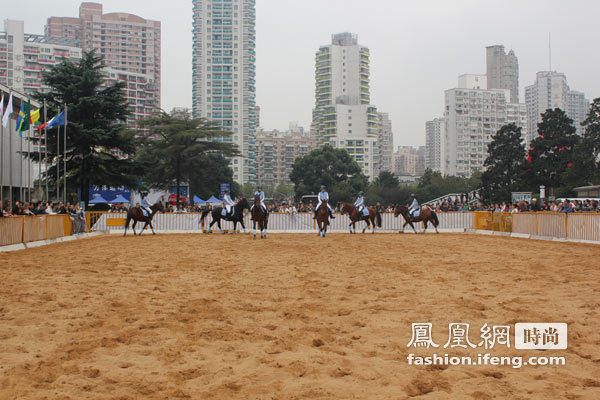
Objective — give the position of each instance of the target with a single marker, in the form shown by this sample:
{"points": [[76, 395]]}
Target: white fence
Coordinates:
{"points": [[278, 222]]}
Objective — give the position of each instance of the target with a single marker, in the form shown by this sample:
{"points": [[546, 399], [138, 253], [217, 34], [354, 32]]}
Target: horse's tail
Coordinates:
{"points": [[204, 214], [436, 221], [378, 217]]}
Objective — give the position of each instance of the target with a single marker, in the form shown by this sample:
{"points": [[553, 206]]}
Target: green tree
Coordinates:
{"points": [[586, 154], [178, 146], [551, 153], [209, 171], [504, 164], [334, 168], [386, 180], [433, 185], [99, 148], [386, 189]]}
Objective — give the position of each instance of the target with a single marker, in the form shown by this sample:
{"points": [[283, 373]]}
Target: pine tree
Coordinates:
{"points": [[99, 148], [551, 153], [504, 164], [178, 149]]}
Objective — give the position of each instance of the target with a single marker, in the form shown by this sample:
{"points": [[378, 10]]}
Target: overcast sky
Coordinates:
{"points": [[418, 48]]}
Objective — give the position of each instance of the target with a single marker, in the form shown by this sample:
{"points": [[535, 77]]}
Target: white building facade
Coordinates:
{"points": [[503, 71], [385, 144], [472, 117], [343, 116], [549, 91], [435, 145], [224, 75], [25, 57]]}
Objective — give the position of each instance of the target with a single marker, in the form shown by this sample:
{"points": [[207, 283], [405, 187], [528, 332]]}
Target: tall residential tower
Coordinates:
{"points": [[549, 91], [503, 71], [343, 116], [224, 75], [130, 45]]}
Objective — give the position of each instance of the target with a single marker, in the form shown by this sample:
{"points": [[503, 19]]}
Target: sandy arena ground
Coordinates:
{"points": [[291, 317]]}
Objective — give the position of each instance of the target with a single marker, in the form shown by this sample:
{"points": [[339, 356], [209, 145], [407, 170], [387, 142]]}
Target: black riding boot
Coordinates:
{"points": [[316, 212], [331, 214]]}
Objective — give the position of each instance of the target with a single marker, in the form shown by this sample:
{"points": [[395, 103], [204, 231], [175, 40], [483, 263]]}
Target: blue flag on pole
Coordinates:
{"points": [[59, 120]]}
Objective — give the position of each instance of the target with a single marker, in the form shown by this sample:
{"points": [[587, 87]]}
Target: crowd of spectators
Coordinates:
{"points": [[568, 206], [564, 206], [38, 208]]}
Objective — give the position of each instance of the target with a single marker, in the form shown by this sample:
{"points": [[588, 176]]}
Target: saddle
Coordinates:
{"points": [[365, 212], [225, 214]]}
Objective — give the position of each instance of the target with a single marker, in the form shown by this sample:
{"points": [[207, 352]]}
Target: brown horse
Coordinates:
{"points": [[323, 218], [137, 215], [352, 212], [426, 215], [259, 217]]}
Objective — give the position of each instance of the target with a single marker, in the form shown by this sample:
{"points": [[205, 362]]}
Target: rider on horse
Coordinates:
{"points": [[360, 203], [414, 207], [146, 204], [323, 196], [227, 204], [259, 192]]}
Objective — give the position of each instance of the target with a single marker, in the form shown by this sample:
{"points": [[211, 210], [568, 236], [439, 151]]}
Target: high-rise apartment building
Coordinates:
{"points": [[503, 71], [435, 145], [472, 117], [577, 109], [549, 91], [224, 75], [276, 153], [385, 144], [409, 161], [130, 45], [24, 57], [343, 116]]}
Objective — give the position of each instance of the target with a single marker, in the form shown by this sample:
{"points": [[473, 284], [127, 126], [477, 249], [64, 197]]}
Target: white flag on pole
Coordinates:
{"points": [[7, 112]]}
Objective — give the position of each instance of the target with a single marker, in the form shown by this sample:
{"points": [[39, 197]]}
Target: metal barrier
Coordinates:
{"points": [[11, 230], [492, 221], [33, 228], [578, 226], [524, 223], [280, 222], [584, 227]]}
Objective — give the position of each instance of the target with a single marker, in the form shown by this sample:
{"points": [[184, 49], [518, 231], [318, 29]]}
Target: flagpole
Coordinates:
{"points": [[2, 158], [21, 191], [46, 152], [10, 161], [58, 161], [65, 161], [39, 142], [29, 160]]}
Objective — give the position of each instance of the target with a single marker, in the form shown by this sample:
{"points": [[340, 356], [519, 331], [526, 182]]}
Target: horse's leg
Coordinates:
{"points": [[234, 226], [265, 225], [254, 227], [126, 225], [151, 227], [243, 226], [211, 225], [425, 226], [366, 226], [219, 224], [133, 227], [435, 226]]}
